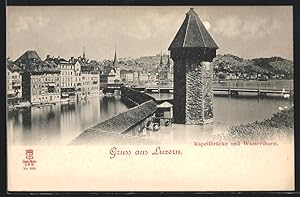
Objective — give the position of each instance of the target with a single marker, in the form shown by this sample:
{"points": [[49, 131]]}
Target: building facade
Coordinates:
{"points": [[52, 80], [67, 75], [78, 79], [95, 83], [144, 77], [42, 87], [40, 79], [14, 80], [90, 83]]}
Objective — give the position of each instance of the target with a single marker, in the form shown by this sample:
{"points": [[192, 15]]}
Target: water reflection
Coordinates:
{"points": [[58, 124]]}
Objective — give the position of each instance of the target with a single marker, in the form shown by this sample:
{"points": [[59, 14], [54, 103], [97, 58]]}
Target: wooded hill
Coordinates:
{"points": [[271, 67]]}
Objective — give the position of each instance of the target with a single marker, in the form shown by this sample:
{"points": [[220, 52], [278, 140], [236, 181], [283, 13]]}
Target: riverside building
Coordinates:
{"points": [[40, 79], [14, 79]]}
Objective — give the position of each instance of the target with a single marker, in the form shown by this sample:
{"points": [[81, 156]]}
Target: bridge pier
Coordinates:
{"points": [[262, 94], [108, 90], [233, 93], [118, 92]]}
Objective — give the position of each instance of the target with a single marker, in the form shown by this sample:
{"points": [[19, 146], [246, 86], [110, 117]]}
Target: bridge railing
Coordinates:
{"points": [[133, 97], [112, 85]]}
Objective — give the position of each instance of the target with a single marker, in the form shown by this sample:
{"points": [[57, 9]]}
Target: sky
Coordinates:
{"points": [[245, 31]]}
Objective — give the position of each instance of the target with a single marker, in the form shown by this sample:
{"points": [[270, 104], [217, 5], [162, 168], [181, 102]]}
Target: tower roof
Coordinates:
{"points": [[193, 33], [28, 56]]}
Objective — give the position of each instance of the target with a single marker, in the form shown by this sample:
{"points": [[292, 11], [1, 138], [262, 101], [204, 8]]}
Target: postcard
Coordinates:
{"points": [[150, 98]]}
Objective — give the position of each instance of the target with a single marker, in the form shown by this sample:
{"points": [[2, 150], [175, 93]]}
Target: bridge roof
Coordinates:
{"points": [[193, 34], [165, 105], [119, 123]]}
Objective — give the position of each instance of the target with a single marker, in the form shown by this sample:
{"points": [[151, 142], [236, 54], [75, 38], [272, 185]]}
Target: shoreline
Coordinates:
{"points": [[12, 107], [281, 124]]}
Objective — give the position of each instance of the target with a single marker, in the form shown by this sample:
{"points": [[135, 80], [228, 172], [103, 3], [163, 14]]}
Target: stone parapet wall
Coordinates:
{"points": [[199, 93], [194, 94], [208, 91]]}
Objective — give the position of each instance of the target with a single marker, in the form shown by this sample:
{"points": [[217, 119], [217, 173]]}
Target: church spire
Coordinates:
{"points": [[192, 34], [83, 53], [161, 59], [115, 59]]}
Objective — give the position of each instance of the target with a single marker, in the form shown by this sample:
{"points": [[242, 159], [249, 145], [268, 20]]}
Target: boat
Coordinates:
{"points": [[41, 105], [262, 78], [108, 94], [72, 97], [155, 90], [22, 105], [11, 107], [286, 96], [64, 101], [155, 126], [143, 132], [12, 97]]}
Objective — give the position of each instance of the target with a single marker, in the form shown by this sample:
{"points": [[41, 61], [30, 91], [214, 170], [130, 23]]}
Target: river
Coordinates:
{"points": [[59, 124]]}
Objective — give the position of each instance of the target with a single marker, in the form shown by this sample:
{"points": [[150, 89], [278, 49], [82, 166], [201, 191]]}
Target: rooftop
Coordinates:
{"points": [[193, 33], [30, 61], [12, 66], [28, 56], [165, 105]]}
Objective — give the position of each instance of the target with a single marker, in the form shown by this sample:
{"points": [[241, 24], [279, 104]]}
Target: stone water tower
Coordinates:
{"points": [[192, 51]]}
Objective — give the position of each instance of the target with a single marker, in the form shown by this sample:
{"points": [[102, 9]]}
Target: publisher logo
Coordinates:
{"points": [[29, 162]]}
